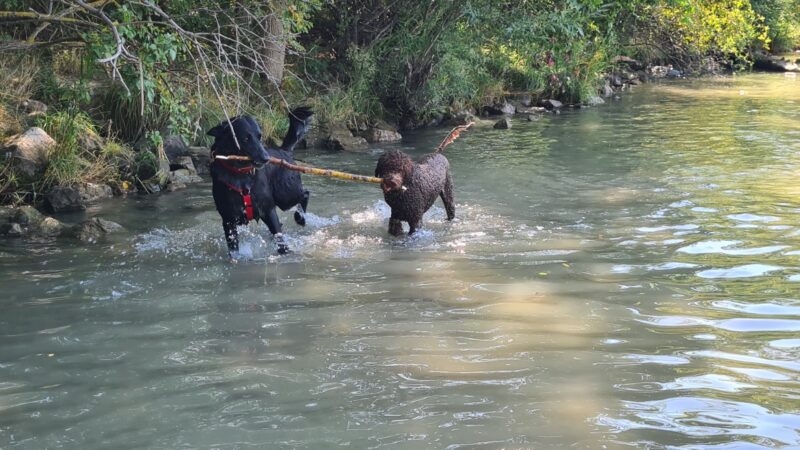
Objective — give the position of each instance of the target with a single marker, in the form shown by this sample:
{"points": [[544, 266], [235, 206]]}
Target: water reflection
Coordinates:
{"points": [[618, 277]]}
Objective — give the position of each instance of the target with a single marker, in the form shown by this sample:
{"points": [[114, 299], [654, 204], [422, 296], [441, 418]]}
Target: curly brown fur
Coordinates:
{"points": [[410, 188]]}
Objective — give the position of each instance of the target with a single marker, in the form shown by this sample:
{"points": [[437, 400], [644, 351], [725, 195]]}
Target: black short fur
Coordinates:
{"points": [[269, 186], [410, 188]]}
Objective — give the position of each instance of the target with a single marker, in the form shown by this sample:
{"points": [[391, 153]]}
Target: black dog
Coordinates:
{"points": [[248, 190], [410, 188]]}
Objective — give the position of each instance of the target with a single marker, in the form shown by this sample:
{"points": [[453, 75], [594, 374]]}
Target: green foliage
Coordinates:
{"points": [[782, 18]]}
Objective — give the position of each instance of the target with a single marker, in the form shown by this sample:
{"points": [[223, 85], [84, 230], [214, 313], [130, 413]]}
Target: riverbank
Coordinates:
{"points": [[30, 154]]}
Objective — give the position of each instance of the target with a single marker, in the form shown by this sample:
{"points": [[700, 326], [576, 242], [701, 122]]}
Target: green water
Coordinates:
{"points": [[624, 276]]}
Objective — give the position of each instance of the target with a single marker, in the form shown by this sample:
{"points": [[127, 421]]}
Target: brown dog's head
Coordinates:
{"points": [[396, 169]]}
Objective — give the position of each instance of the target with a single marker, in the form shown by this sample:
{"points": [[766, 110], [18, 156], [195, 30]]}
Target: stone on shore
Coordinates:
{"points": [[29, 150]]}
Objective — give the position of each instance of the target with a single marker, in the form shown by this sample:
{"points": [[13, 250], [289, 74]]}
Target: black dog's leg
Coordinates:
{"points": [[275, 227], [447, 197], [299, 215], [395, 227], [231, 236]]}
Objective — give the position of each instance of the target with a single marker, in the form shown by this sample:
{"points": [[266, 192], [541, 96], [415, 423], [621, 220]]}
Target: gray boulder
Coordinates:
{"points": [[499, 108], [462, 118], [27, 216], [503, 124], [201, 157], [343, 139], [381, 133], [552, 104], [91, 142], [50, 227], [29, 150], [33, 107], [11, 229], [595, 100], [95, 229], [76, 197], [175, 147]]}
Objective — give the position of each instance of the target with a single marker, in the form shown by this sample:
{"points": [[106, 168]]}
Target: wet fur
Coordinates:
{"points": [[269, 186], [425, 179]]}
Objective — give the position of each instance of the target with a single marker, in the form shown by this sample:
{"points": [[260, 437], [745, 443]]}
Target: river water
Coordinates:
{"points": [[625, 276]]}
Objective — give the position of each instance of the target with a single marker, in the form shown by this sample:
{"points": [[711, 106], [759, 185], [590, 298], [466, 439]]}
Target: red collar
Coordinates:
{"points": [[233, 169]]}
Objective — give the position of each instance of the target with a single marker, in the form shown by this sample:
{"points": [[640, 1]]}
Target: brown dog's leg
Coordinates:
{"points": [[414, 225], [447, 197], [395, 227]]}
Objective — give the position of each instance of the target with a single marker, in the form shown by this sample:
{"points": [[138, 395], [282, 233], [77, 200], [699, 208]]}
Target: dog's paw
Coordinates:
{"points": [[299, 218], [284, 249]]}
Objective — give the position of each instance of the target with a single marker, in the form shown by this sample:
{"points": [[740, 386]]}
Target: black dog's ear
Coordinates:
{"points": [[218, 130]]}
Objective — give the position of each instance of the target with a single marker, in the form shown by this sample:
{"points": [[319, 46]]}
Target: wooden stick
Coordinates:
{"points": [[452, 136], [308, 170]]}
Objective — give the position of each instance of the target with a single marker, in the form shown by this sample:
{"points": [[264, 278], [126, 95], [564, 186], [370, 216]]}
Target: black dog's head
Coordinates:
{"points": [[248, 137], [396, 169]]}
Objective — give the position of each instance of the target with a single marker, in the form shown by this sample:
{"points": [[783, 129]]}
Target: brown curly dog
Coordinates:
{"points": [[410, 188]]}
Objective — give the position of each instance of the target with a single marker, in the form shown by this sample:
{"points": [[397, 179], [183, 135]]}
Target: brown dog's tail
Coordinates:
{"points": [[452, 136]]}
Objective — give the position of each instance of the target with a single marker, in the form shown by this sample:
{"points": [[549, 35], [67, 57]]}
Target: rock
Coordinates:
{"points": [[201, 157], [76, 197], [184, 176], [634, 81], [94, 229], [607, 90], [660, 71], [373, 135], [50, 227], [29, 150], [525, 100], [630, 62], [11, 229], [551, 104], [533, 117], [91, 142], [615, 80], [33, 107], [765, 61], [674, 73], [175, 147], [595, 100], [461, 118], [158, 181], [175, 186], [64, 198], [7, 213], [91, 192], [437, 120], [343, 139], [503, 124], [499, 108], [27, 216], [531, 110]]}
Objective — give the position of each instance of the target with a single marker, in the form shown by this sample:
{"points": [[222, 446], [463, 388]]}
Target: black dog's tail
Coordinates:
{"points": [[452, 136], [299, 123]]}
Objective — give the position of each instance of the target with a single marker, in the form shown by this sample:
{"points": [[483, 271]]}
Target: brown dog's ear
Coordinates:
{"points": [[408, 169]]}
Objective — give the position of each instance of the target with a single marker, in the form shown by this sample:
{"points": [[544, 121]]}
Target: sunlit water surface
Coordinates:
{"points": [[624, 276]]}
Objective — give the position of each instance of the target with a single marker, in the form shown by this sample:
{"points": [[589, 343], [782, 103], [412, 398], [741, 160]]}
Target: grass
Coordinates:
{"points": [[69, 161]]}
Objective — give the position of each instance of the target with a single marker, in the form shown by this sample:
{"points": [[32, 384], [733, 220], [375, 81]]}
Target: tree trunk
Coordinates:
{"points": [[274, 50]]}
